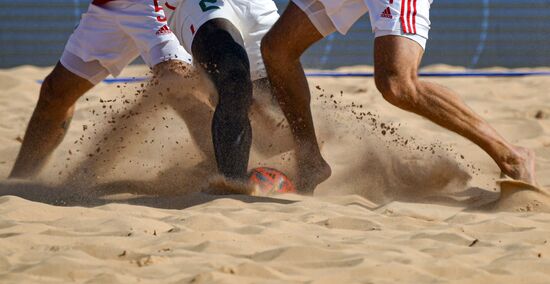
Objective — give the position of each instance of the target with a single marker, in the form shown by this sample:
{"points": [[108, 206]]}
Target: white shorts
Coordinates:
{"points": [[112, 35], [253, 18], [408, 18]]}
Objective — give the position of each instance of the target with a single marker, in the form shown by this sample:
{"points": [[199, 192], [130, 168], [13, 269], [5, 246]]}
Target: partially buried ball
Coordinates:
{"points": [[270, 181]]}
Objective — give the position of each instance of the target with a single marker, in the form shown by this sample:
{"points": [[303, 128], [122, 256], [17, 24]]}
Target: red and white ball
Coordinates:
{"points": [[270, 181]]}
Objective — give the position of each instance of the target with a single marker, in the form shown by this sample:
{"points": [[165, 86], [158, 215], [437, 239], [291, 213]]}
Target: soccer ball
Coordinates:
{"points": [[270, 181]]}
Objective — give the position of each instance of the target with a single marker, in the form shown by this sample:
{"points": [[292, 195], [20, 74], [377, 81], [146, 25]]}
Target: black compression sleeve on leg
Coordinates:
{"points": [[218, 48]]}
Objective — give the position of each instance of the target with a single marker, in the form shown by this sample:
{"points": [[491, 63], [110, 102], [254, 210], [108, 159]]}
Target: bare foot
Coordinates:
{"points": [[311, 172], [522, 166]]}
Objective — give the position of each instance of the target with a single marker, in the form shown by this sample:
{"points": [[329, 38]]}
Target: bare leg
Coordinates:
{"points": [[282, 47], [396, 62], [50, 120]]}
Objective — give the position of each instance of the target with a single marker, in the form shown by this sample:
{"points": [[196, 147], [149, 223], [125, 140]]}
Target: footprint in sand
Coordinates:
{"points": [[518, 196]]}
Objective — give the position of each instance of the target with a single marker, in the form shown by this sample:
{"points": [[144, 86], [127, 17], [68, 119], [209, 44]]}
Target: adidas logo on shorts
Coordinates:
{"points": [[163, 30], [386, 13]]}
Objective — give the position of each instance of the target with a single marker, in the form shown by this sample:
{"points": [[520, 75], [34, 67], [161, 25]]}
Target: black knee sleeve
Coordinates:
{"points": [[218, 49]]}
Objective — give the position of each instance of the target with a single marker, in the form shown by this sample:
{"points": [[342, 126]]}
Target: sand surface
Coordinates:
{"points": [[408, 202]]}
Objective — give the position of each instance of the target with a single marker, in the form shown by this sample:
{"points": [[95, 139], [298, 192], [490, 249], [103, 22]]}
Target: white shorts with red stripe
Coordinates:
{"points": [[112, 35], [253, 18], [408, 18]]}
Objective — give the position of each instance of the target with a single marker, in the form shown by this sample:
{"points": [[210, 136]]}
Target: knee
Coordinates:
{"points": [[232, 70], [270, 48], [172, 72], [53, 93], [275, 52], [399, 91], [60, 89], [234, 93], [225, 60], [233, 107], [229, 70], [232, 80], [234, 88]]}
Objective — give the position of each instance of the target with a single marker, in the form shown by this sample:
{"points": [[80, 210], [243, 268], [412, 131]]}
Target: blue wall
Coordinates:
{"points": [[470, 33]]}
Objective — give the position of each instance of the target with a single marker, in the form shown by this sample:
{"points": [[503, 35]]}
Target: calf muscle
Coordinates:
{"points": [[49, 121]]}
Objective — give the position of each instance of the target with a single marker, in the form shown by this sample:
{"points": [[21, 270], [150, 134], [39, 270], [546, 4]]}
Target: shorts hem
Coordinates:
{"points": [[421, 40], [172, 48], [203, 20], [320, 19], [95, 79]]}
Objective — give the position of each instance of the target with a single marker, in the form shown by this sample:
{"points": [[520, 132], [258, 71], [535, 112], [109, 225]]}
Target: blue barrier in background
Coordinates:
{"points": [[469, 33]]}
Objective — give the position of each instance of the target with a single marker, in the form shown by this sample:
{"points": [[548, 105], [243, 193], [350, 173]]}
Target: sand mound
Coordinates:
{"points": [[516, 196]]}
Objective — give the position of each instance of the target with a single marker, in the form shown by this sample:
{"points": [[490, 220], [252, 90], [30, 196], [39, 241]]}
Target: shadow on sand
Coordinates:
{"points": [[124, 192]]}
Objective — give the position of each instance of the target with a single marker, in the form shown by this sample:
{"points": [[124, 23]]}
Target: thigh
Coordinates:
{"points": [[68, 84], [293, 32]]}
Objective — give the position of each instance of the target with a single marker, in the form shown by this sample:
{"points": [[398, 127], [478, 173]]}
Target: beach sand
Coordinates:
{"points": [[408, 202]]}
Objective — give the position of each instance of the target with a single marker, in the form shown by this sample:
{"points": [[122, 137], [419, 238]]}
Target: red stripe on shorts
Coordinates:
{"points": [[409, 16], [414, 18], [402, 17]]}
